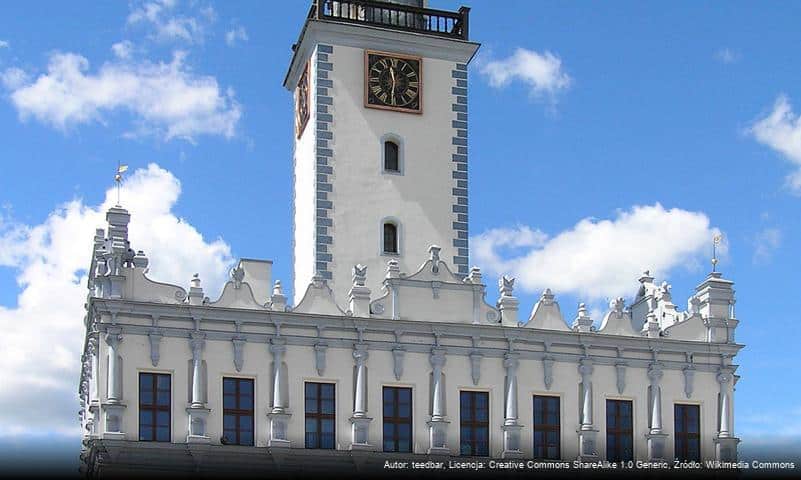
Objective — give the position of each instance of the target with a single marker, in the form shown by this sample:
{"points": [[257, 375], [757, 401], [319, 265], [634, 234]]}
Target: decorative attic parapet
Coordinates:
{"points": [[319, 299], [546, 314], [618, 320], [434, 293]]}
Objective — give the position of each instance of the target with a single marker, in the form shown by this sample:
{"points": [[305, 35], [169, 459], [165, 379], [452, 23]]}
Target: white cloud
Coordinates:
{"points": [[170, 26], [13, 78], [236, 35], [4, 44], [542, 72], [598, 259], [43, 334], [765, 243], [727, 56], [122, 50], [166, 99], [781, 131]]}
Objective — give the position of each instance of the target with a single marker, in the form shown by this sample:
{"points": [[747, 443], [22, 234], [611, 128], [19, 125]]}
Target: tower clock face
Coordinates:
{"points": [[393, 82]]}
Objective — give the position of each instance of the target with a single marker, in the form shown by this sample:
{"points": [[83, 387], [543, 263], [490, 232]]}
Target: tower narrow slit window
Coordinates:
{"points": [[391, 156], [390, 238]]}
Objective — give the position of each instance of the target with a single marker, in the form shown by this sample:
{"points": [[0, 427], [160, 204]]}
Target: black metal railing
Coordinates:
{"points": [[395, 16]]}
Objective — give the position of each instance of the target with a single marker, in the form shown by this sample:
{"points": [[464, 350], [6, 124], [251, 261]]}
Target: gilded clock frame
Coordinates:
{"points": [[366, 81]]}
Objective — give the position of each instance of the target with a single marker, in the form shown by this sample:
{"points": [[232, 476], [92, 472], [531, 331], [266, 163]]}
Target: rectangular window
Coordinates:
{"points": [[154, 407], [546, 427], [397, 419], [687, 430], [237, 411], [619, 431], [474, 424], [320, 415]]}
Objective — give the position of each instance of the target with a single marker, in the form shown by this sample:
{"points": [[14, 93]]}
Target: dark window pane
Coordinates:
{"points": [[245, 422], [163, 398], [246, 402], [146, 416], [229, 422], [229, 386], [245, 387], [388, 396], [145, 398], [391, 156], [145, 432], [390, 238], [163, 434], [311, 390], [164, 382], [229, 401], [145, 382], [327, 407], [163, 419], [311, 425], [327, 390]]}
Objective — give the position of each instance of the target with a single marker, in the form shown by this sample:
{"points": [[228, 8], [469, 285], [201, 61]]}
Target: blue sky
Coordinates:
{"points": [[624, 130]]}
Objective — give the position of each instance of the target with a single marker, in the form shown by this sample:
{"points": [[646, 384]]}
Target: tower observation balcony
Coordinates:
{"points": [[394, 16]]}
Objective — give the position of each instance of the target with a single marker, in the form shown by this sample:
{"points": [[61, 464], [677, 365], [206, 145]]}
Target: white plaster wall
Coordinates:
{"points": [[175, 354], [362, 195], [305, 160]]}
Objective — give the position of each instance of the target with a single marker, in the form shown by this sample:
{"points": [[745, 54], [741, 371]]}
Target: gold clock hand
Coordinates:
{"points": [[392, 74]]}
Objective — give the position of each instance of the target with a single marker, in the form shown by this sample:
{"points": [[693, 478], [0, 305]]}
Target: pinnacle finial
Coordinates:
{"points": [[716, 239]]}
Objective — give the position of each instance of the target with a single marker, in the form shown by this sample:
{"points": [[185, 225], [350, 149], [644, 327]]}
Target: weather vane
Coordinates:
{"points": [[715, 242], [118, 178]]}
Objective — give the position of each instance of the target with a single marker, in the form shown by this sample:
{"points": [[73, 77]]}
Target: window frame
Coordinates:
{"points": [[238, 412], [397, 420], [318, 416], [154, 408], [473, 423], [546, 427], [617, 431], [395, 223], [684, 433], [398, 141]]}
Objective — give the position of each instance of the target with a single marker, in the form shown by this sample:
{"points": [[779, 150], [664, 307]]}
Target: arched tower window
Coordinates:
{"points": [[391, 156], [390, 238]]}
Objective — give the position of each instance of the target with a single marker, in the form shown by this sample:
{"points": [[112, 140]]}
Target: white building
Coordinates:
{"points": [[391, 349]]}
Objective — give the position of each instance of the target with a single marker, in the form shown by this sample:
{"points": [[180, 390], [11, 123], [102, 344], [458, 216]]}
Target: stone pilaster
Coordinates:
{"points": [[197, 411], [113, 407], [511, 427], [438, 424], [360, 421], [279, 413], [587, 431], [725, 442], [656, 437]]}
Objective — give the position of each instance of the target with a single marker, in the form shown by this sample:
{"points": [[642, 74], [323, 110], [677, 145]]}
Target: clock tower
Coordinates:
{"points": [[380, 153]]}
